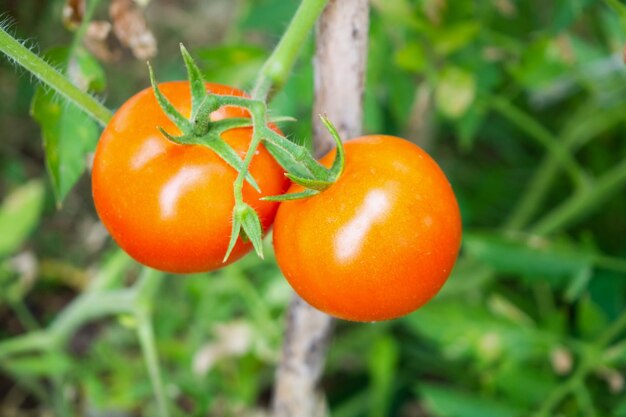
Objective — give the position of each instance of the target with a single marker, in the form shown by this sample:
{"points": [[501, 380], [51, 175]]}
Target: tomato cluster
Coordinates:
{"points": [[375, 245]]}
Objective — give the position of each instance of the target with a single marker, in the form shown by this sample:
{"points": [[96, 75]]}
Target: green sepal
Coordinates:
{"points": [[313, 184], [234, 235], [292, 196], [252, 229], [230, 156], [340, 157], [285, 159], [246, 224], [196, 82], [170, 111], [223, 125], [176, 139], [282, 119], [295, 159]]}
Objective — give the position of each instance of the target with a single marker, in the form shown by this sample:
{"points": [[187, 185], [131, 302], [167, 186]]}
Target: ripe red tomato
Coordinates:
{"points": [[170, 205], [378, 243]]}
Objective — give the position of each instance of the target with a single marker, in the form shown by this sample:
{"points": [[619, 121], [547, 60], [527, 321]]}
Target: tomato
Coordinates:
{"points": [[170, 205], [378, 243]]}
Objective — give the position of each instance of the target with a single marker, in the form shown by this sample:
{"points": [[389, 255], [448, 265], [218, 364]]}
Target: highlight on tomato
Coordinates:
{"points": [[169, 205], [378, 243]]}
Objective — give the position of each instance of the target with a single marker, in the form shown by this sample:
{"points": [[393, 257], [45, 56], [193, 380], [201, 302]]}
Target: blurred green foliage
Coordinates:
{"points": [[522, 103]]}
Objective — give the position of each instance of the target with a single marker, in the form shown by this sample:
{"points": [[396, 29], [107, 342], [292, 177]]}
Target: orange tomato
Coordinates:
{"points": [[377, 244], [170, 205]]}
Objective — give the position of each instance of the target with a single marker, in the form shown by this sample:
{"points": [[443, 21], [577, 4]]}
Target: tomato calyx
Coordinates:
{"points": [[300, 165], [316, 184]]}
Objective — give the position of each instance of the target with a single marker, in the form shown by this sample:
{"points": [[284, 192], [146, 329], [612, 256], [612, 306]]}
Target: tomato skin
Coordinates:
{"points": [[378, 243], [169, 205]]}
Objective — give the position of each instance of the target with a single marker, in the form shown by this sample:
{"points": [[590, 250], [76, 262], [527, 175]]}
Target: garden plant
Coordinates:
{"points": [[317, 207]]}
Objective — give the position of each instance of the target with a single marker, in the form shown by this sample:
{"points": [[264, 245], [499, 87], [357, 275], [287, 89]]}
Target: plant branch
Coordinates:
{"points": [[52, 78], [536, 131], [583, 201], [590, 121], [145, 334], [589, 361], [276, 69]]}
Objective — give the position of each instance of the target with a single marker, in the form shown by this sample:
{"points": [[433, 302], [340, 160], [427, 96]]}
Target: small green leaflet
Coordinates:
{"points": [[19, 215], [68, 134]]}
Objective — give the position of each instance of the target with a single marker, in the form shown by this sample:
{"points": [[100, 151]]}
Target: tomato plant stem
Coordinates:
{"points": [[592, 357], [145, 334], [583, 201], [145, 291], [574, 136], [540, 134], [32, 341], [51, 77], [88, 307], [276, 70]]}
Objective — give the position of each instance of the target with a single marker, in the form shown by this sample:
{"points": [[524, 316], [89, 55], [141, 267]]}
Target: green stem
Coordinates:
{"points": [[583, 201], [589, 361], [53, 78], [146, 288], [90, 306], [610, 263], [276, 70], [148, 346], [588, 124], [585, 401], [145, 292], [536, 131], [112, 272], [24, 314], [617, 327], [33, 341], [255, 304]]}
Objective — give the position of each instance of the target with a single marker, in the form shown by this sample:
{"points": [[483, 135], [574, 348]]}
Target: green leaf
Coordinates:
{"points": [[620, 409], [523, 384], [400, 13], [68, 135], [19, 214], [318, 185], [82, 68], [455, 92], [291, 196], [472, 331], [542, 62], [450, 39], [231, 64], [538, 258], [446, 402], [411, 57], [90, 74]]}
